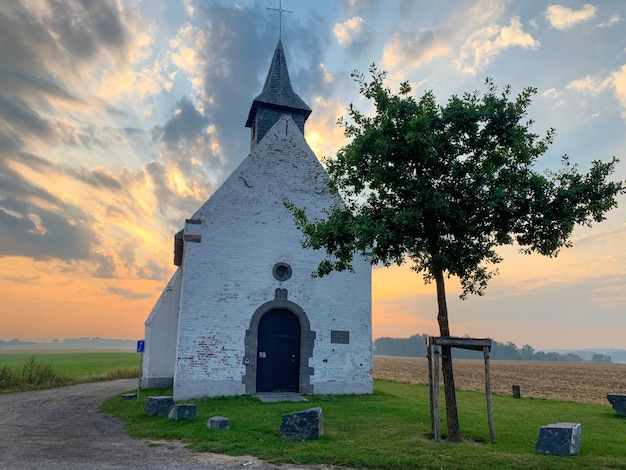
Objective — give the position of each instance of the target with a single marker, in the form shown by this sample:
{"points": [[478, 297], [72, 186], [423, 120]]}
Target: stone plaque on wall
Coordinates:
{"points": [[339, 337]]}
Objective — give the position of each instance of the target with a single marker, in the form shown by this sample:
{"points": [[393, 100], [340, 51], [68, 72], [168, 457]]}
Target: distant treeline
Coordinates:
{"points": [[119, 343], [415, 346], [15, 342], [76, 342]]}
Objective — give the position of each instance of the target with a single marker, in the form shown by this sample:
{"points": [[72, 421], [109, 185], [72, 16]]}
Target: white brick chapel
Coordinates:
{"points": [[242, 313]]}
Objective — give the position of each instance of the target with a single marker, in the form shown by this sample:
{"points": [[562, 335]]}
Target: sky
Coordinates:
{"points": [[119, 118]]}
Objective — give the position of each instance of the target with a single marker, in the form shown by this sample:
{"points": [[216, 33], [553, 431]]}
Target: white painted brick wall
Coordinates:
{"points": [[161, 327], [245, 230]]}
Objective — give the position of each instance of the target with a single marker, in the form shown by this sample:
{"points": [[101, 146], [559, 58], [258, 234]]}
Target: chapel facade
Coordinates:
{"points": [[242, 312]]}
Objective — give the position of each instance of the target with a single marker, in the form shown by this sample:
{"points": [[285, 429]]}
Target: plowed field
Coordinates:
{"points": [[565, 381]]}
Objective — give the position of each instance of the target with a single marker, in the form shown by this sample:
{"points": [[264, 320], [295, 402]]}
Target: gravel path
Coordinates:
{"points": [[61, 429]]}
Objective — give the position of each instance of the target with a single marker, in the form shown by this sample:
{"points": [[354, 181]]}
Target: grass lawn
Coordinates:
{"points": [[55, 369], [390, 430]]}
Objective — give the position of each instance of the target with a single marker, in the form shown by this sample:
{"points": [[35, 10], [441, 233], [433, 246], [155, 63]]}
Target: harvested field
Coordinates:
{"points": [[565, 381]]}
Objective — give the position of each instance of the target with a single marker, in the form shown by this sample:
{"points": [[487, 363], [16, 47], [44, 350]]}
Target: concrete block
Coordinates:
{"points": [[158, 406], [219, 423], [559, 439], [618, 402], [307, 424], [182, 412]]}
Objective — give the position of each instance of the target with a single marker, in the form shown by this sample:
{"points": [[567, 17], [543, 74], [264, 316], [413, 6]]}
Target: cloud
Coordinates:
{"points": [[152, 270], [482, 46], [359, 6], [77, 78], [612, 21], [414, 49], [554, 96], [30, 280], [349, 31], [607, 238], [33, 221], [571, 308], [84, 27], [594, 85], [59, 43], [186, 123], [225, 52], [55, 205], [561, 17], [85, 134], [105, 266], [43, 234], [185, 54], [591, 85], [128, 293], [619, 87], [17, 116], [322, 132], [96, 178], [483, 12], [551, 93]]}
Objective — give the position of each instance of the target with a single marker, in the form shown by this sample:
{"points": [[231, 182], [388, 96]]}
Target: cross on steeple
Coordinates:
{"points": [[280, 19]]}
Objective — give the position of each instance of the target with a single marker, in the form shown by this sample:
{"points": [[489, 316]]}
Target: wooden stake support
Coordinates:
{"points": [[434, 344]]}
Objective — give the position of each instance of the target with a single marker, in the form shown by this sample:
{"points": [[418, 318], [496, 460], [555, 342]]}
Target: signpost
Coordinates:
{"points": [[141, 346]]}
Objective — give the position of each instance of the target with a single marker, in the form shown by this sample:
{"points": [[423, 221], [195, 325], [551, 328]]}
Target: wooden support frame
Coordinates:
{"points": [[433, 354]]}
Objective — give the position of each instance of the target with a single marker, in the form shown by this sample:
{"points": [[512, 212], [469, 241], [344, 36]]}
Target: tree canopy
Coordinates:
{"points": [[443, 186]]}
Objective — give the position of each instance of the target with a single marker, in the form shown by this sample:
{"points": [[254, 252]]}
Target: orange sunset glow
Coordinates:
{"points": [[118, 122]]}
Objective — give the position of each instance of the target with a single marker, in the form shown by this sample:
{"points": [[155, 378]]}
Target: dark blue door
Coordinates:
{"points": [[278, 355]]}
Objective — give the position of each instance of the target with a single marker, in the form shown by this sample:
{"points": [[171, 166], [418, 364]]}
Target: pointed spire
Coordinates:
{"points": [[277, 97]]}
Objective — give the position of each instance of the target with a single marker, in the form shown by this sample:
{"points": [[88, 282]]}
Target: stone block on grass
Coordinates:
{"points": [[219, 423], [158, 406], [307, 424], [559, 439], [618, 402], [182, 412]]}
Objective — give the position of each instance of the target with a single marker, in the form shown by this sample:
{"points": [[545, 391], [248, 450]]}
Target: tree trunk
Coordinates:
{"points": [[452, 417]]}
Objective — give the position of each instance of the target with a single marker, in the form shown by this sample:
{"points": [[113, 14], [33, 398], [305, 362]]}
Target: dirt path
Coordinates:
{"points": [[60, 429]]}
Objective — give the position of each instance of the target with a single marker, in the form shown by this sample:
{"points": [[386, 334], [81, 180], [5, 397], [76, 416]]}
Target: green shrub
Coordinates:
{"points": [[38, 374], [27, 372], [8, 378], [32, 375]]}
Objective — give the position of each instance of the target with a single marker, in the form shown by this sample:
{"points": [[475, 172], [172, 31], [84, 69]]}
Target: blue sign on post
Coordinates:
{"points": [[141, 345]]}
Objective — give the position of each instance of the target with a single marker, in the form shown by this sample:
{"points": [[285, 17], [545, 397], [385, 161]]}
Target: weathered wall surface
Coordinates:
{"points": [[232, 243], [160, 335]]}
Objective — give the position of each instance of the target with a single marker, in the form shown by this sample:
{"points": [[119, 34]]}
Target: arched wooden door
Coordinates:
{"points": [[278, 355]]}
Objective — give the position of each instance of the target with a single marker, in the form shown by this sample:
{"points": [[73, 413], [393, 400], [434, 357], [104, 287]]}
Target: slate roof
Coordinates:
{"points": [[277, 91]]}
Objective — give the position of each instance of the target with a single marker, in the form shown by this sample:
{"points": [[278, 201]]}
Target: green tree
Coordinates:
{"points": [[443, 186], [527, 352], [601, 358]]}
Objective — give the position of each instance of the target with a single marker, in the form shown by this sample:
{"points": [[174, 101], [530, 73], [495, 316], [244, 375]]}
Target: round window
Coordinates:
{"points": [[281, 271]]}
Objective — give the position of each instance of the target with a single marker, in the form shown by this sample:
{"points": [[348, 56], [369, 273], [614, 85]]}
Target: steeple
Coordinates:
{"points": [[276, 99]]}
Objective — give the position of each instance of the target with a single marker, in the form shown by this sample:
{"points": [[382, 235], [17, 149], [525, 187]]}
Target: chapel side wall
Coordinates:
{"points": [[212, 320], [159, 360]]}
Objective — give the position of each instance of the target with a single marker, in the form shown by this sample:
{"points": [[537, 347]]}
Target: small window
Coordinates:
{"points": [[281, 271]]}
